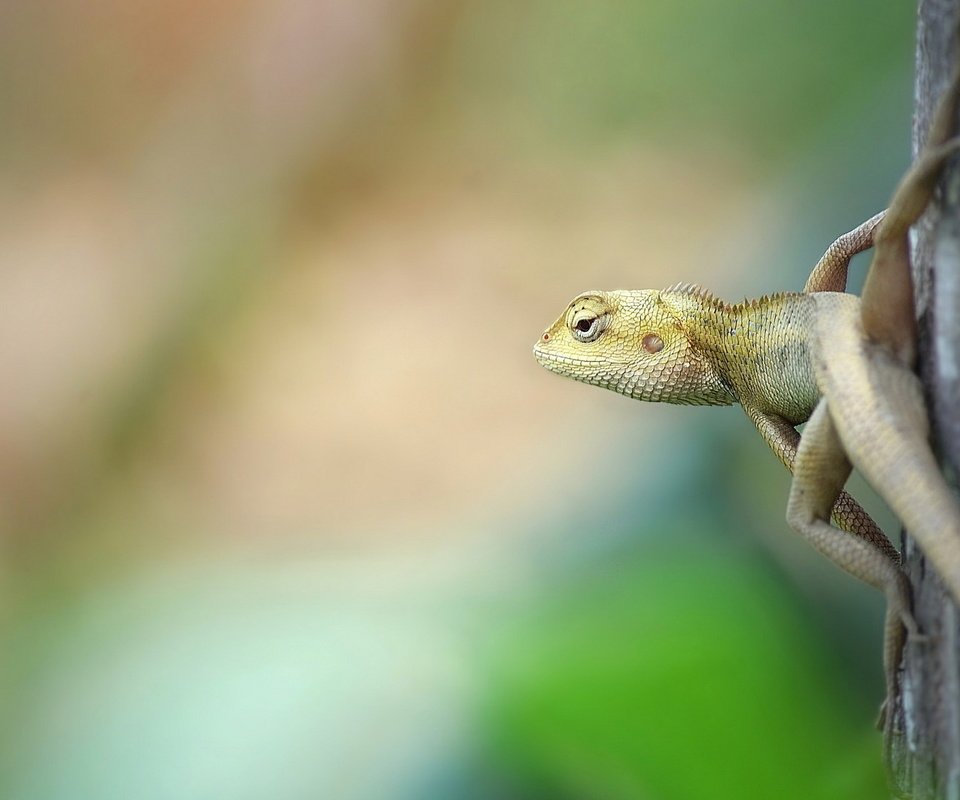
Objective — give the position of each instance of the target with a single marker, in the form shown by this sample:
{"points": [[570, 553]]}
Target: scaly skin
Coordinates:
{"points": [[685, 346], [821, 355]]}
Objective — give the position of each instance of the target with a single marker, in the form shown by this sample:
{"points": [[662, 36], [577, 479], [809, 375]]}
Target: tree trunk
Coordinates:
{"points": [[925, 759]]}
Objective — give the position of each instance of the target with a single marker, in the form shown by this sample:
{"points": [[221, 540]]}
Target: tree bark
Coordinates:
{"points": [[925, 755]]}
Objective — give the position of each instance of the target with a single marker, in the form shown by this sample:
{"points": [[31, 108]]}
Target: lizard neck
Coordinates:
{"points": [[759, 349]]}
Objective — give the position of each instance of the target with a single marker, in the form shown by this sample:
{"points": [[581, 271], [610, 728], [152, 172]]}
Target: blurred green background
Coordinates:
{"points": [[290, 511]]}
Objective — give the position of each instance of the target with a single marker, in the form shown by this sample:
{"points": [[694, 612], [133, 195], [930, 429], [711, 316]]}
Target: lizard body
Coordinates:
{"points": [[683, 345], [840, 363]]}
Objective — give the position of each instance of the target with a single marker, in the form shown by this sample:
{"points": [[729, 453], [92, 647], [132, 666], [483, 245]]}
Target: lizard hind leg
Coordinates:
{"points": [[916, 187], [888, 308], [848, 514], [885, 434], [820, 470]]}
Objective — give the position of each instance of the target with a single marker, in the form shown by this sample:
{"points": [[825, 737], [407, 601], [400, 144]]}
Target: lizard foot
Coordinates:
{"points": [[914, 636]]}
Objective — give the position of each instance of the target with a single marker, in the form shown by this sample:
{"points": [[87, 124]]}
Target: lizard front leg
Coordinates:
{"points": [[830, 273], [847, 513], [820, 470]]}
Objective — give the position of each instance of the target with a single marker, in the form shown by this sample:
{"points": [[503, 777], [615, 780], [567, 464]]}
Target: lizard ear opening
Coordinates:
{"points": [[652, 343]]}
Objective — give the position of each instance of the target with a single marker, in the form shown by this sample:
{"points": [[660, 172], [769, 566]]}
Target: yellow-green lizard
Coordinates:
{"points": [[843, 363]]}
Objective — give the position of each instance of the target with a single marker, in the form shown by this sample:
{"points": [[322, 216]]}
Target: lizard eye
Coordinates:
{"points": [[587, 326]]}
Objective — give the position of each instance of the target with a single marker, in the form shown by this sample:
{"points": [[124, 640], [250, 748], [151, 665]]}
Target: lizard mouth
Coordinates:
{"points": [[550, 359]]}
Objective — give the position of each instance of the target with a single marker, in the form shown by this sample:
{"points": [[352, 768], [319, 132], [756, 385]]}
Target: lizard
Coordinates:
{"points": [[842, 364]]}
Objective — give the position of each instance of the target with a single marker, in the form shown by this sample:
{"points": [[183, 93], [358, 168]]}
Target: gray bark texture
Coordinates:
{"points": [[925, 759]]}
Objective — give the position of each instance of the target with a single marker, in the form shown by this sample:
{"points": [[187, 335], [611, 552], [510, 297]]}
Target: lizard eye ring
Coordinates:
{"points": [[587, 326]]}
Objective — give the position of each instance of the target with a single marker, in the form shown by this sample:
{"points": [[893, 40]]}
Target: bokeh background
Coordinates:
{"points": [[289, 510]]}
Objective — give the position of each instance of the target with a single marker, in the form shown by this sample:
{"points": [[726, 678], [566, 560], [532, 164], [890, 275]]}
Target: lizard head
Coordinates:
{"points": [[631, 342]]}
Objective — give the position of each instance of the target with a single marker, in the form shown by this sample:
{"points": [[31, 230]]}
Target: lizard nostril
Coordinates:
{"points": [[546, 337]]}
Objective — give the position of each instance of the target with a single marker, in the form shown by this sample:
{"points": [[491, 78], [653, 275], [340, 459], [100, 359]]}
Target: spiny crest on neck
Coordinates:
{"points": [[763, 301], [707, 298], [696, 292]]}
